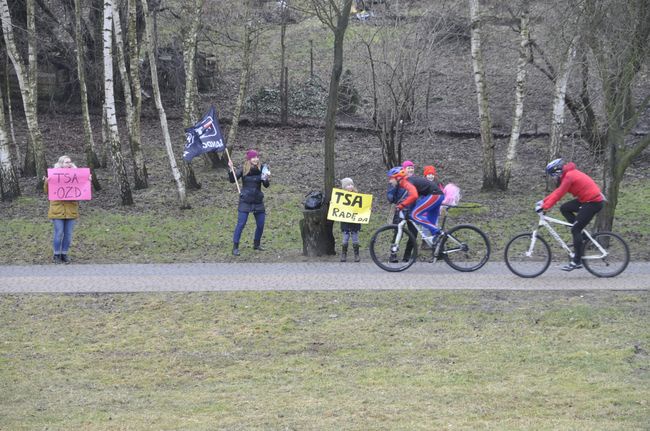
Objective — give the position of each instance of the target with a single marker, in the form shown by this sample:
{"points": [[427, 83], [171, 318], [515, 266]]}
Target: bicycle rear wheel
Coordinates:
{"points": [[608, 264], [525, 261], [465, 248], [386, 252]]}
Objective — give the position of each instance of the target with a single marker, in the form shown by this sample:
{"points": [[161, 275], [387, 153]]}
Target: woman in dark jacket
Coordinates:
{"points": [[251, 198]]}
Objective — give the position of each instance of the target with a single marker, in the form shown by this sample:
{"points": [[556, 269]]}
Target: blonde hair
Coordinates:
{"points": [[59, 163], [247, 167]]}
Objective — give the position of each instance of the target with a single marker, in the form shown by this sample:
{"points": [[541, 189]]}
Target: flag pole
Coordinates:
{"points": [[234, 174]]}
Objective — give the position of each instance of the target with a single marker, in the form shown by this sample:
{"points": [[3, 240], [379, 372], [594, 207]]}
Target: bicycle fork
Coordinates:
{"points": [[394, 248]]}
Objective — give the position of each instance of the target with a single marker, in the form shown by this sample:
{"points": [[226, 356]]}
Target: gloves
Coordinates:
{"points": [[539, 206]]}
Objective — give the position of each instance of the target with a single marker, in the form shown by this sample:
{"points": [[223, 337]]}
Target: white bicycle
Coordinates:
{"points": [[528, 255], [464, 247]]}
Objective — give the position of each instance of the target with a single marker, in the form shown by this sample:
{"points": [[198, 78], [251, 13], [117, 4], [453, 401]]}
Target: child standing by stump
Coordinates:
{"points": [[349, 229]]}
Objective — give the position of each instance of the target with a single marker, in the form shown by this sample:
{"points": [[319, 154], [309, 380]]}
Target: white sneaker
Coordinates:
{"points": [[571, 266]]}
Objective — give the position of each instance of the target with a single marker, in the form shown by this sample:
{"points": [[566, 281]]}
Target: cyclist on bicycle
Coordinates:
{"points": [[422, 200], [579, 211]]}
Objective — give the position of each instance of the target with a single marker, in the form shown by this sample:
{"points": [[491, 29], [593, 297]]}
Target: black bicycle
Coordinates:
{"points": [[464, 247]]}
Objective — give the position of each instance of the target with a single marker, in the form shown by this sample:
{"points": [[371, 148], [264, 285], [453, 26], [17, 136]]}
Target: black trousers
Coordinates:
{"points": [[580, 215]]}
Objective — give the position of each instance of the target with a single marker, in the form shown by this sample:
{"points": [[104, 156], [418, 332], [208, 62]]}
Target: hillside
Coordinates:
{"points": [[154, 230]]}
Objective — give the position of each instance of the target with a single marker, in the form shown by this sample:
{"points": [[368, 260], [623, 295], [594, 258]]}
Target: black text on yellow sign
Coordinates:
{"points": [[349, 207]]}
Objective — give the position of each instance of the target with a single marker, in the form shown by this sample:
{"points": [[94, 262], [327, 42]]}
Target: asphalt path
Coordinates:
{"points": [[200, 277]]}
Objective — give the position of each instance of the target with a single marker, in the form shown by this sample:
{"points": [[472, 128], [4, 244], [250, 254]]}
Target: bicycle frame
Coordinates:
{"points": [[426, 238], [545, 222]]}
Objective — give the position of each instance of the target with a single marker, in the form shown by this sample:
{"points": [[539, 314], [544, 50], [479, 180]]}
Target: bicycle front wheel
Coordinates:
{"points": [[465, 248], [392, 254], [609, 261], [526, 259]]}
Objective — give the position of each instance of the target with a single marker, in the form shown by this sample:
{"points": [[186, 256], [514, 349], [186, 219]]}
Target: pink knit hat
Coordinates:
{"points": [[407, 163], [250, 154]]}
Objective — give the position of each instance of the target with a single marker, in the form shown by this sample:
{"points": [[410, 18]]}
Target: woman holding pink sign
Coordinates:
{"points": [[63, 215]]}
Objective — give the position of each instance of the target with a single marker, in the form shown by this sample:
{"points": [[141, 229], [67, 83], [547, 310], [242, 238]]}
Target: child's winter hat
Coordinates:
{"points": [[407, 163], [429, 170], [345, 182], [251, 154]]}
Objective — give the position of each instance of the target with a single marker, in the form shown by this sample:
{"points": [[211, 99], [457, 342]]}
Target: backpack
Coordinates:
{"points": [[313, 200]]}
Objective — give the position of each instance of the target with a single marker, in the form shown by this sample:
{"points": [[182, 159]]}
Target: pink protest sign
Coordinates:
{"points": [[68, 184]]}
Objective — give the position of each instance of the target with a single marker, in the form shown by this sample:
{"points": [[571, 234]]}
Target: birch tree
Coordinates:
{"points": [[89, 142], [559, 96], [190, 116], [10, 117], [140, 180], [520, 91], [490, 180], [134, 75], [244, 76], [284, 79], [109, 107], [26, 74], [149, 46], [9, 186]]}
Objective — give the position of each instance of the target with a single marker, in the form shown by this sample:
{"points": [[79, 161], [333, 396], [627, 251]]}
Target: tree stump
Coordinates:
{"points": [[316, 232]]}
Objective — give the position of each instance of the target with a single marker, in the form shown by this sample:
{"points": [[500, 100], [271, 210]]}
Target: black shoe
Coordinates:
{"points": [[235, 249], [257, 246], [65, 258], [56, 258], [571, 266]]}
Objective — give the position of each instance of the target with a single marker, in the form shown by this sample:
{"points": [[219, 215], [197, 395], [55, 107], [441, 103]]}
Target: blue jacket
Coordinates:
{"points": [[395, 194]]}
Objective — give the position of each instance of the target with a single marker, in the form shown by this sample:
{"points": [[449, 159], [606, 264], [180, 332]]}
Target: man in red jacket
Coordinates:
{"points": [[579, 211]]}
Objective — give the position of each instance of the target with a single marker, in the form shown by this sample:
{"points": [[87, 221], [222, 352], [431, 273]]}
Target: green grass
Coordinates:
{"points": [[159, 233], [325, 361]]}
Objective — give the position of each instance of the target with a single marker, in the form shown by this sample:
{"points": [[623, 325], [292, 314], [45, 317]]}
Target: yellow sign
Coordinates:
{"points": [[349, 207]]}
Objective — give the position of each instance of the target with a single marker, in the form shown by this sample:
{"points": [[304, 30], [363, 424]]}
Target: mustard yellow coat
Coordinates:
{"points": [[62, 209]]}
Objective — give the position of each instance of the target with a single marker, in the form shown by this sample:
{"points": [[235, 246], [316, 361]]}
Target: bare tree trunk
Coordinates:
{"points": [[619, 68], [191, 90], [336, 16], [26, 75], [109, 105], [557, 120], [106, 145], [520, 92], [134, 72], [13, 143], [339, 30], [89, 143], [180, 185], [140, 180], [9, 186], [243, 84], [489, 163], [283, 90]]}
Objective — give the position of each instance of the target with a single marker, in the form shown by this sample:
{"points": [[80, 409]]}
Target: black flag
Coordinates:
{"points": [[204, 136]]}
